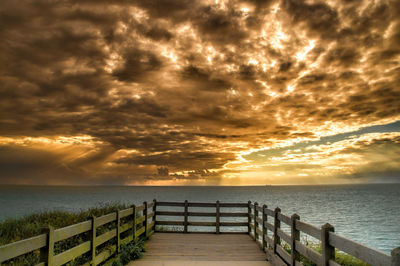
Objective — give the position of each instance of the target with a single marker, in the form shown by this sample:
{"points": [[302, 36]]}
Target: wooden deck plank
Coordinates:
{"points": [[198, 263], [195, 249]]}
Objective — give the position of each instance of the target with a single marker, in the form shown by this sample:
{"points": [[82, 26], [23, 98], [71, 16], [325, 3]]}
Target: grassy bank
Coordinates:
{"points": [[340, 257], [15, 229]]}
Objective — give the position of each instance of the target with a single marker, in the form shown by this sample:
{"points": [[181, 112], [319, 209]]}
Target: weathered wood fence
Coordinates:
{"points": [[185, 214], [139, 220], [264, 226], [261, 223], [286, 248]]}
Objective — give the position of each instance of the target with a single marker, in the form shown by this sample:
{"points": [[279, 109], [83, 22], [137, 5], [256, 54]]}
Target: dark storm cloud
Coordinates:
{"points": [[180, 161], [138, 65], [22, 165], [220, 26], [203, 80], [188, 85], [320, 18]]}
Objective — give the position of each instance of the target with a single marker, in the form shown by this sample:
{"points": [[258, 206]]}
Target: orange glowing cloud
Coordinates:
{"points": [[100, 93]]}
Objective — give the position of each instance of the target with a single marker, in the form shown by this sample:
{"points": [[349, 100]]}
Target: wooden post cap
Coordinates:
{"points": [[295, 216], [396, 257], [328, 226]]}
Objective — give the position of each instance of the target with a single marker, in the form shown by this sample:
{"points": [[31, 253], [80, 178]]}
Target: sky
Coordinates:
{"points": [[185, 92]]}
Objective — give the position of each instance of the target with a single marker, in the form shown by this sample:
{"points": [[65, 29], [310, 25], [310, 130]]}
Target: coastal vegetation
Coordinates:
{"points": [[340, 257], [15, 229]]}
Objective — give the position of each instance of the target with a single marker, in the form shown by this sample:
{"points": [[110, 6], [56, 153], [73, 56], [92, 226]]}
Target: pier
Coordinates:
{"points": [[193, 233]]}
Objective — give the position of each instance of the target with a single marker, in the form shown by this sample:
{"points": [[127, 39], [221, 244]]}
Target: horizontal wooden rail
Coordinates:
{"points": [[171, 204], [233, 214], [19, 248], [284, 218], [105, 237], [71, 254], [283, 253], [308, 229], [367, 254], [233, 223], [170, 222], [285, 237], [72, 230], [125, 213], [269, 212], [309, 253], [202, 223], [169, 213], [233, 205], [105, 219]]}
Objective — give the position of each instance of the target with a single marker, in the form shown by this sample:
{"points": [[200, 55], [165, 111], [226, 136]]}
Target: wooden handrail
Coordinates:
{"points": [[185, 213]]}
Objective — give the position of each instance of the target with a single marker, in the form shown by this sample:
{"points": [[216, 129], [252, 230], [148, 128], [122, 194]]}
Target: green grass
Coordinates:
{"points": [[15, 229], [340, 257]]}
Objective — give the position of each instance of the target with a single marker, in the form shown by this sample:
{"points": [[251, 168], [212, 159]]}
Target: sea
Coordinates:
{"points": [[367, 213]]}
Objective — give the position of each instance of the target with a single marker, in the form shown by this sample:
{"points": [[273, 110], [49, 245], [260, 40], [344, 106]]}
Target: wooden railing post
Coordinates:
{"points": [[145, 219], [47, 252], [217, 217], [134, 222], [395, 256], [248, 217], [93, 239], [264, 228], [328, 251], [255, 221], [154, 211], [277, 224], [185, 228], [295, 235], [118, 228]]}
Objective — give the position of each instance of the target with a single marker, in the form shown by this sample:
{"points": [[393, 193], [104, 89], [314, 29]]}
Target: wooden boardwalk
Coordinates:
{"points": [[201, 249]]}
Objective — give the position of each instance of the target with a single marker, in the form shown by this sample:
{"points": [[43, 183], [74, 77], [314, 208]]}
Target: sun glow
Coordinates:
{"points": [[302, 55]]}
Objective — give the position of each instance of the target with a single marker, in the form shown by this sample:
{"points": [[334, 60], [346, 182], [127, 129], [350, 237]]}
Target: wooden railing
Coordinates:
{"points": [[139, 220], [184, 223], [261, 223], [264, 226], [284, 248]]}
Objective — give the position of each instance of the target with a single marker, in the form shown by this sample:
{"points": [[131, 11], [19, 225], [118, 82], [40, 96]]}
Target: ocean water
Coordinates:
{"points": [[369, 214]]}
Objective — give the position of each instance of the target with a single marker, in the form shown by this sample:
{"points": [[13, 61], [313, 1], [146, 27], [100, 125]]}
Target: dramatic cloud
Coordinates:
{"points": [[198, 92]]}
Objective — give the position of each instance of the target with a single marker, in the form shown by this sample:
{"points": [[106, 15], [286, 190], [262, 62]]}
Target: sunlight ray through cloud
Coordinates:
{"points": [[210, 90]]}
